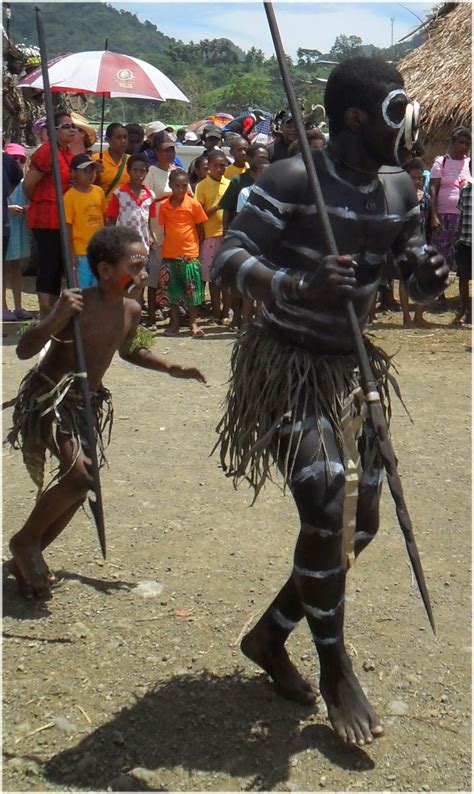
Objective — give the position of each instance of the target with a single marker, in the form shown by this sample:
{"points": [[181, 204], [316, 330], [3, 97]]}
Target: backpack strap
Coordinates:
{"points": [[117, 175]]}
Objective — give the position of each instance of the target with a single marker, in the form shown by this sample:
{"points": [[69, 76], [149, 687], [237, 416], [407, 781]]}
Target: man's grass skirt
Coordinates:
{"points": [[275, 384]]}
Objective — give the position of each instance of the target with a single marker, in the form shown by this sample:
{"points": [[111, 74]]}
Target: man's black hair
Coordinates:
{"points": [[413, 163], [137, 158], [112, 127], [175, 173], [109, 245], [357, 83], [254, 148], [59, 115], [215, 154], [135, 129]]}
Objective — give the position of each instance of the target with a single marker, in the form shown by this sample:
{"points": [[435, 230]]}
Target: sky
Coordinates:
{"points": [[301, 24]]}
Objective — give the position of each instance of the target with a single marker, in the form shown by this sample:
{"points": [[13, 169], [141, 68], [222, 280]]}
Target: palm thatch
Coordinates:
{"points": [[438, 74]]}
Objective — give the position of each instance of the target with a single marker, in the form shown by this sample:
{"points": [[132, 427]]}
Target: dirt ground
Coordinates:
{"points": [[116, 684]]}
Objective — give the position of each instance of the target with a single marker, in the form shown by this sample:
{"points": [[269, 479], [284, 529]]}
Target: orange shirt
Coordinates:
{"points": [[181, 237], [109, 172]]}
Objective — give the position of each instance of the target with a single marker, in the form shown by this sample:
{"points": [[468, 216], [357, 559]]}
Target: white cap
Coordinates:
{"points": [[191, 136], [152, 127]]}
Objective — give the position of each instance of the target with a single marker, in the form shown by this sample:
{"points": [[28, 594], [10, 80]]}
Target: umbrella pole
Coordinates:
{"points": [[369, 386], [95, 496], [102, 112]]}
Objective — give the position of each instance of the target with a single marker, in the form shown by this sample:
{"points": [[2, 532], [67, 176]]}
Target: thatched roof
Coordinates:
{"points": [[438, 72]]}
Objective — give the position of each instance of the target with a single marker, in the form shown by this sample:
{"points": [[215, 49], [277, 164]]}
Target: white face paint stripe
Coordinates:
{"points": [[318, 467], [386, 103], [243, 272], [319, 574], [316, 612], [282, 621]]}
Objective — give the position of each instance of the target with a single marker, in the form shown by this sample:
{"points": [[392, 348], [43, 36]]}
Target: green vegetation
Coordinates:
{"points": [[215, 75]]}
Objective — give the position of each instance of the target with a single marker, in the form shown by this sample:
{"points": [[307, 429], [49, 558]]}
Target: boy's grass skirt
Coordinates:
{"points": [[274, 383], [42, 409]]}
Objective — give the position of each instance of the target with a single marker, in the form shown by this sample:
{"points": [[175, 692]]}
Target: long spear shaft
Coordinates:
{"points": [[367, 378], [95, 495]]}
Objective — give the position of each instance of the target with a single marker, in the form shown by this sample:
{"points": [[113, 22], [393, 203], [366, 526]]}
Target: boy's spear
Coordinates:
{"points": [[95, 495], [368, 381]]}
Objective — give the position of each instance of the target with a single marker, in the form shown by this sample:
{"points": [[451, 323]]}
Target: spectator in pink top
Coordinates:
{"points": [[449, 174]]}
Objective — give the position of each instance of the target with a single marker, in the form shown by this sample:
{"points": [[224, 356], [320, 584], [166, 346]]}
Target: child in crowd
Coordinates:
{"points": [[134, 205], [48, 410], [249, 307], [198, 170], [84, 207], [18, 243], [238, 151], [415, 168], [463, 252], [182, 218], [209, 193]]}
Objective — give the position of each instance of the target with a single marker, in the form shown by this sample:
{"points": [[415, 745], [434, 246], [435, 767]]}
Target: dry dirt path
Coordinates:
{"points": [[106, 688]]}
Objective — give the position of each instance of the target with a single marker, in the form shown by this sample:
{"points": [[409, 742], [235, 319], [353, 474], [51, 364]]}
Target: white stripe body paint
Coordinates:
{"points": [[282, 206], [265, 215], [282, 621], [309, 529], [318, 467], [319, 574], [242, 274], [322, 613], [327, 640]]}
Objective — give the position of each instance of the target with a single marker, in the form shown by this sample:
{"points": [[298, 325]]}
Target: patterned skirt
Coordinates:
{"points": [[444, 238]]}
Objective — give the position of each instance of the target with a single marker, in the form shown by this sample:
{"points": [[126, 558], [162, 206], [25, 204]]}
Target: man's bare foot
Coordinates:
{"points": [[420, 322], [273, 658], [28, 562], [350, 713], [407, 322]]}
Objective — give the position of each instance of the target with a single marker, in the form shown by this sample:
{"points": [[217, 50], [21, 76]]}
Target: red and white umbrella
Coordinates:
{"points": [[107, 73]]}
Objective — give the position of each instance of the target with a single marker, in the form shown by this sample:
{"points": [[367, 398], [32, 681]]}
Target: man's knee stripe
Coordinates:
{"points": [[282, 621], [322, 532], [319, 574], [326, 640], [316, 612], [331, 468], [361, 536]]}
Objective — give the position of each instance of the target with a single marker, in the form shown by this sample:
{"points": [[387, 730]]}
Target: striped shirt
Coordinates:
{"points": [[465, 224]]}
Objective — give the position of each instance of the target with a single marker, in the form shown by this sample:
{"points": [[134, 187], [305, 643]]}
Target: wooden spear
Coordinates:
{"points": [[90, 444]]}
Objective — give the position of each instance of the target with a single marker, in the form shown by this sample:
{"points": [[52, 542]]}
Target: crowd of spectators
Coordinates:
{"points": [[129, 180]]}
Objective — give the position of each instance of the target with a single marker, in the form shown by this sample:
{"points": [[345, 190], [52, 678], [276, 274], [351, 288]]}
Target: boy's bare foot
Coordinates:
{"points": [[350, 713], [273, 658], [34, 575], [197, 333]]}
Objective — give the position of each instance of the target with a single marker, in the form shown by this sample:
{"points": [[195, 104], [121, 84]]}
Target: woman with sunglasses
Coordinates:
{"points": [[18, 242], [43, 218]]}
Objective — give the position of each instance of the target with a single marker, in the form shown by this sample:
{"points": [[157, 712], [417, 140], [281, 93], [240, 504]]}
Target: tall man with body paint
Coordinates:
{"points": [[295, 395]]}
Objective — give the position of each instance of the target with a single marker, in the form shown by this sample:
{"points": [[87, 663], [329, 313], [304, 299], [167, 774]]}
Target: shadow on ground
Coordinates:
{"points": [[205, 723]]}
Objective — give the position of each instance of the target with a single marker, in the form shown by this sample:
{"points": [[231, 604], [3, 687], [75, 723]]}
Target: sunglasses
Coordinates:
{"points": [[66, 127]]}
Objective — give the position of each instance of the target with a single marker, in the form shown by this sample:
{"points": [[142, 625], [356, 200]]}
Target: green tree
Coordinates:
{"points": [[346, 47]]}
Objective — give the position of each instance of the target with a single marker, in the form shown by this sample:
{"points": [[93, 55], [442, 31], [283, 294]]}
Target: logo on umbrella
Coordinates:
{"points": [[125, 78]]}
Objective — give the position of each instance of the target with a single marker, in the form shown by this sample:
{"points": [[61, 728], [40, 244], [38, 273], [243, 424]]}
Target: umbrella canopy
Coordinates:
{"points": [[218, 119], [107, 73]]}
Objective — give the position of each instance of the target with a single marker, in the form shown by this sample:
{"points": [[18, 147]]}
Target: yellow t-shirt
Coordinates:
{"points": [[109, 170], [209, 192], [234, 170], [85, 212]]}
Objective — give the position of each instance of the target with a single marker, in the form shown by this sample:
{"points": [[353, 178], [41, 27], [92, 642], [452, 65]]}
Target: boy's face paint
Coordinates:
{"points": [[130, 271]]}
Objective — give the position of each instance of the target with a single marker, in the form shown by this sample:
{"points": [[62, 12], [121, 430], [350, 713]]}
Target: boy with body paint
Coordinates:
{"points": [[48, 411]]}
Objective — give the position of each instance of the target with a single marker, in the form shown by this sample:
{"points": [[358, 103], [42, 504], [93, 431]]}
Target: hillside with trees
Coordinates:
{"points": [[215, 74]]}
